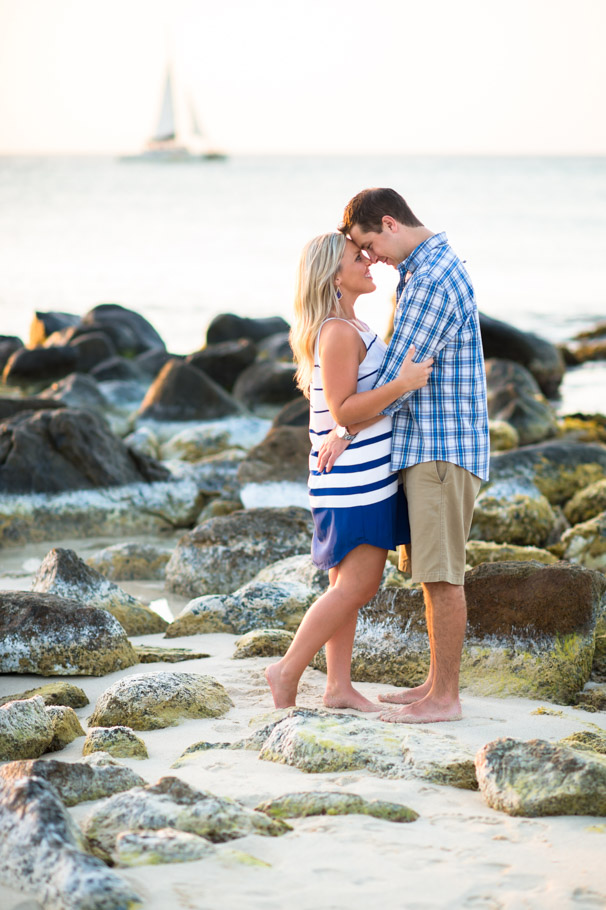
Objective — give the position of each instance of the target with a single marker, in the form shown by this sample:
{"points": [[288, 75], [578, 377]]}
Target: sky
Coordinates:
{"points": [[307, 76]]}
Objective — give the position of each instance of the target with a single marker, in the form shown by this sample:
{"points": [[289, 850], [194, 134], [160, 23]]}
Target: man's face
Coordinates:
{"points": [[385, 246]]}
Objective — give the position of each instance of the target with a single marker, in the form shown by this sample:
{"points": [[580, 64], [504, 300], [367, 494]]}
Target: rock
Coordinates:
{"points": [[131, 333], [151, 701], [92, 349], [587, 740], [56, 693], [43, 853], [8, 345], [253, 606], [217, 507], [539, 778], [515, 397], [144, 441], [53, 636], [557, 469], [322, 742], [181, 392], [302, 805], [275, 347], [44, 324], [34, 365], [171, 803], [293, 414], [583, 427], [119, 741], [152, 654], [479, 551], [590, 350], [503, 436], [224, 362], [295, 568], [586, 504], [11, 406], [266, 382], [131, 561], [75, 782], [197, 442], [224, 553], [263, 643], [540, 357], [521, 518], [66, 727], [585, 543], [26, 729], [228, 327], [596, 331], [167, 845], [116, 368], [76, 391], [67, 449], [149, 363], [63, 573], [595, 697], [283, 455]]}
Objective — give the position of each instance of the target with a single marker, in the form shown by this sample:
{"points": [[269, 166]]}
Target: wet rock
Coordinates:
{"points": [[44, 324], [263, 643], [479, 551], [540, 357], [181, 392], [229, 327], [253, 606], [515, 397], [66, 727], [67, 449], [76, 391], [171, 803], [539, 778], [224, 362], [302, 805], [63, 573], [266, 382], [585, 543], [92, 349], [503, 436], [167, 845], [43, 853], [152, 654], [523, 518], [282, 455], [26, 729], [131, 333], [53, 636], [119, 741], [35, 365], [75, 782], [54, 693], [130, 561], [151, 701], [587, 503], [224, 553]]}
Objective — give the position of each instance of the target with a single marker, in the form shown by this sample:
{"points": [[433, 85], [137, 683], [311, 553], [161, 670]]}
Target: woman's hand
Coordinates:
{"points": [[414, 375]]}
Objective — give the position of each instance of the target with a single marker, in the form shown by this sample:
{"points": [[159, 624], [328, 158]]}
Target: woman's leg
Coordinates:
{"points": [[353, 582]]}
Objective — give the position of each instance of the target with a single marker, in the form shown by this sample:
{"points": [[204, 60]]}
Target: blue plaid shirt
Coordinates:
{"points": [[447, 420]]}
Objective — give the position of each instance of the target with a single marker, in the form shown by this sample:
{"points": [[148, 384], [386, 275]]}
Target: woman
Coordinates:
{"points": [[358, 509]]}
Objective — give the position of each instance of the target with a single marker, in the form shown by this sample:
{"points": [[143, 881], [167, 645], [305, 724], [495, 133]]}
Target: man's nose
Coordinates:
{"points": [[372, 256]]}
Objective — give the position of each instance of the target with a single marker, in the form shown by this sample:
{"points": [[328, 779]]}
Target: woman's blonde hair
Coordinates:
{"points": [[315, 299]]}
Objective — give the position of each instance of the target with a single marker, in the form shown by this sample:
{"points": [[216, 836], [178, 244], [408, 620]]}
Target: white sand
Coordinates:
{"points": [[459, 854]]}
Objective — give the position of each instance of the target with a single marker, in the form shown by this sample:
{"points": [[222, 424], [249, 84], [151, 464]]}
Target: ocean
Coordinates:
{"points": [[181, 243]]}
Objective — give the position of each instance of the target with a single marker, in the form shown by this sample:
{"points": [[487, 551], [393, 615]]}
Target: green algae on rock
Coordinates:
{"points": [[587, 740], [151, 701], [66, 727], [263, 643], [26, 729], [479, 551], [166, 845], [151, 654], [538, 778], [503, 436], [587, 503], [302, 805], [119, 741], [523, 517]]}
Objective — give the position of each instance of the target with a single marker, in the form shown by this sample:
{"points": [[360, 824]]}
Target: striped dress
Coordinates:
{"points": [[360, 501]]}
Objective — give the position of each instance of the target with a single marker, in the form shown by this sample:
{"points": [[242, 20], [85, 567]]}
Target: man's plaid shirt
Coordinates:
{"points": [[447, 420]]}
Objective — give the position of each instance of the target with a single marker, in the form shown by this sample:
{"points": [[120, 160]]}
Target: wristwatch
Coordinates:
{"points": [[343, 434]]}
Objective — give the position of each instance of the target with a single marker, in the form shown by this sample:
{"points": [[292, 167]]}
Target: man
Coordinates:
{"points": [[440, 438]]}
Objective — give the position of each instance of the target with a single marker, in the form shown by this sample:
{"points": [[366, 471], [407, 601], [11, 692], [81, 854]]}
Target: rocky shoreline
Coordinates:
{"points": [[190, 474]]}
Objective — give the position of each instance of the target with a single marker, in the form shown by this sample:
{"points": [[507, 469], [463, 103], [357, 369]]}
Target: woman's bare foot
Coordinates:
{"points": [[284, 692], [426, 711], [349, 698], [406, 696]]}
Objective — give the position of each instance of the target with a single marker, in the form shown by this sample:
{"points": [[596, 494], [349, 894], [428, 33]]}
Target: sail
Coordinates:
{"points": [[196, 129], [165, 129]]}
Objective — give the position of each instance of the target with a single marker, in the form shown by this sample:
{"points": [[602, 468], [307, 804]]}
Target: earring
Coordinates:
{"points": [[339, 294]]}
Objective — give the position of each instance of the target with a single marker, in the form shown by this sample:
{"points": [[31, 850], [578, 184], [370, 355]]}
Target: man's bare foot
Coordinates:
{"points": [[349, 698], [426, 711], [284, 692], [406, 696]]}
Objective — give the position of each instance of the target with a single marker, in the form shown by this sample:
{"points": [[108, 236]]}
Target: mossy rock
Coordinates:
{"points": [[54, 693], [263, 643], [480, 551], [587, 503], [302, 805], [119, 741], [66, 727]]}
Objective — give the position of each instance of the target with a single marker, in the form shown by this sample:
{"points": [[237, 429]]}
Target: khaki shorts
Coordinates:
{"points": [[441, 498]]}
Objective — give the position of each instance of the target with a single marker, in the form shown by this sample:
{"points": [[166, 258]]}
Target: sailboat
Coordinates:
{"points": [[167, 144]]}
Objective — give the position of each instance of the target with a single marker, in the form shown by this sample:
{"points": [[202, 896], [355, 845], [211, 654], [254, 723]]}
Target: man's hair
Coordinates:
{"points": [[367, 208]]}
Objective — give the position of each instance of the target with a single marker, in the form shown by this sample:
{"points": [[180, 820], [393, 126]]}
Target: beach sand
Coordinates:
{"points": [[458, 854]]}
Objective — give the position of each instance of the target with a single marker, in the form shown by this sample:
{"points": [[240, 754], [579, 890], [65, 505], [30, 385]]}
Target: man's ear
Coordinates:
{"points": [[389, 224]]}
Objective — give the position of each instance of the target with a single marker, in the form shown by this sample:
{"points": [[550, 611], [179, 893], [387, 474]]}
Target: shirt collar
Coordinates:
{"points": [[421, 252]]}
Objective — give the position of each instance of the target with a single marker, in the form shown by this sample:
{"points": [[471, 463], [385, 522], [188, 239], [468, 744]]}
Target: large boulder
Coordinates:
{"points": [[36, 365], [75, 782], [522, 517], [224, 553], [224, 362], [116, 369], [67, 449], [293, 414], [63, 573], [540, 357], [229, 327], [76, 391], [130, 332], [282, 455], [43, 325], [11, 406], [51, 636], [266, 382], [43, 853], [92, 349], [514, 396], [181, 392]]}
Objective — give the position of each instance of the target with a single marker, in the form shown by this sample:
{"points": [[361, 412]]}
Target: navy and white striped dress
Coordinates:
{"points": [[360, 500]]}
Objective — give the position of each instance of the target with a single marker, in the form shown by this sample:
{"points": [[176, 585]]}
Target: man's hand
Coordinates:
{"points": [[330, 450]]}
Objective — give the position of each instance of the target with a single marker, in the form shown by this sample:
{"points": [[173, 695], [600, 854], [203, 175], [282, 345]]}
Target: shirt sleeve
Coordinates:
{"points": [[429, 319]]}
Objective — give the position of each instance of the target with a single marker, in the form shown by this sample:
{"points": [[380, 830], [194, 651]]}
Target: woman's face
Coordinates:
{"points": [[353, 277]]}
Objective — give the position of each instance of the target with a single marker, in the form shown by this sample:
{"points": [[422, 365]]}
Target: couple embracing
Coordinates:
{"points": [[399, 445]]}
